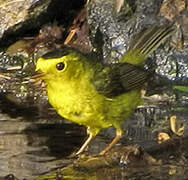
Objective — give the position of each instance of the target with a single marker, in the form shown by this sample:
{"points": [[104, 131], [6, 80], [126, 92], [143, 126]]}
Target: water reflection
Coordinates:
{"points": [[31, 146], [30, 149]]}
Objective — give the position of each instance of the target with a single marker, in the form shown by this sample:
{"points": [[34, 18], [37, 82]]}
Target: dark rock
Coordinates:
{"points": [[21, 18], [111, 33]]}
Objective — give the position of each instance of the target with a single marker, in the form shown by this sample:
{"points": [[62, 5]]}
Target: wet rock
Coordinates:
{"points": [[86, 166], [124, 156], [113, 30], [107, 36], [111, 33]]}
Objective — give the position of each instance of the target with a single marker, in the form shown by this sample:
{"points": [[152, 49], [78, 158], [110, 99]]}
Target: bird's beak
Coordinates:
{"points": [[38, 76]]}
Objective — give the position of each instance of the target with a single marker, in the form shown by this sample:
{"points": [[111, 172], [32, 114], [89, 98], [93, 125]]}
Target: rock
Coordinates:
{"points": [[111, 33], [17, 16], [113, 30], [21, 17], [86, 166]]}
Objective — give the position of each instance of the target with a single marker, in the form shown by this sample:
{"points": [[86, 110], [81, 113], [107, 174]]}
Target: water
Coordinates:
{"points": [[33, 146], [29, 149]]}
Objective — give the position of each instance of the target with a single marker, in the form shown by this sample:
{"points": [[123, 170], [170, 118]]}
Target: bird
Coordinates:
{"points": [[84, 90]]}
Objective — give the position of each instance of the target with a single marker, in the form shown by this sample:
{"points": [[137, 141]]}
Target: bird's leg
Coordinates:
{"points": [[91, 136], [119, 133]]}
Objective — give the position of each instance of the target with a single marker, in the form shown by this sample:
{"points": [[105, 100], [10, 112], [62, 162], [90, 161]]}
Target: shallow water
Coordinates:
{"points": [[29, 149]]}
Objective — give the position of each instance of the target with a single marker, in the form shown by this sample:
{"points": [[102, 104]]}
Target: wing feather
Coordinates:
{"points": [[115, 79]]}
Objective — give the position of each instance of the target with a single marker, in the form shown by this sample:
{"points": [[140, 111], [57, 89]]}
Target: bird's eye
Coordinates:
{"points": [[60, 66]]}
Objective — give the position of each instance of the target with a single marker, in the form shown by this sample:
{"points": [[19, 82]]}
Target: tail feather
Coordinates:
{"points": [[145, 43]]}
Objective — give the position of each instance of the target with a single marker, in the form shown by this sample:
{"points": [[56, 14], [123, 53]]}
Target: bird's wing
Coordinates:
{"points": [[115, 79]]}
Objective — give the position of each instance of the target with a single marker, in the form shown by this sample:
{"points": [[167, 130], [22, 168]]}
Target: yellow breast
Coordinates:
{"points": [[79, 102]]}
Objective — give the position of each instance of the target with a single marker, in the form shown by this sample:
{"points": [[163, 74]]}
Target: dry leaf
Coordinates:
{"points": [[162, 137], [176, 126]]}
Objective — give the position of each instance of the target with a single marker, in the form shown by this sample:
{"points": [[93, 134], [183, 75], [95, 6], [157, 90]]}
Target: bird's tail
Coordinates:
{"points": [[144, 43]]}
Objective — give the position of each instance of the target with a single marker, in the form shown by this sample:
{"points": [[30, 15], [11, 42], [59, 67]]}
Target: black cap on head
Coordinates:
{"points": [[57, 53]]}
